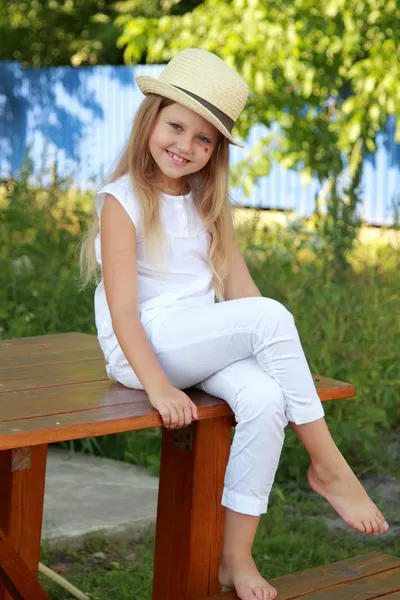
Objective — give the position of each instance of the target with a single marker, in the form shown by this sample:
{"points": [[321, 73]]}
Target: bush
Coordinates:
{"points": [[39, 233], [348, 324]]}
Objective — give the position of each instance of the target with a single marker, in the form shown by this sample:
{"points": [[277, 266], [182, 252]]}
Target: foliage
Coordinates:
{"points": [[39, 234], [340, 225], [324, 72], [58, 32], [344, 330], [76, 32]]}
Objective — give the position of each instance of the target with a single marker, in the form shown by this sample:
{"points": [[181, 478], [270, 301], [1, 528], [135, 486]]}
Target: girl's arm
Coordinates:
{"points": [[118, 251], [239, 283]]}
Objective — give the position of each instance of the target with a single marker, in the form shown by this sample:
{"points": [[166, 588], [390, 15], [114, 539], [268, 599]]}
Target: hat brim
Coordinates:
{"points": [[152, 85]]}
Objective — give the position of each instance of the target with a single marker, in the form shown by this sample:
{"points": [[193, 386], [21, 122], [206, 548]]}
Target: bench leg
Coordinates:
{"points": [[17, 578], [22, 478], [189, 529]]}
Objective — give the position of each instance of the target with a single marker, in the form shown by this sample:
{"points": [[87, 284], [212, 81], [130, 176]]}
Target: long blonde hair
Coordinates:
{"points": [[209, 192]]}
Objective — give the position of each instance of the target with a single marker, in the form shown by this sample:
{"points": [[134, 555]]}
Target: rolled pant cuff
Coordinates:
{"points": [[244, 504], [305, 416]]}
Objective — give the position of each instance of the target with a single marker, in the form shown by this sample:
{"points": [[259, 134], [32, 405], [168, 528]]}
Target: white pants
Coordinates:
{"points": [[248, 352]]}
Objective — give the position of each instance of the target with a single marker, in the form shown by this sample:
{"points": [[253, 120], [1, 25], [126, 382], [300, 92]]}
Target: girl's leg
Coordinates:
{"points": [[238, 569], [330, 476], [259, 407], [191, 344]]}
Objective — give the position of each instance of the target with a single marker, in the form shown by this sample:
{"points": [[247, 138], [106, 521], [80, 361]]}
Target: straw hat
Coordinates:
{"points": [[204, 83]]}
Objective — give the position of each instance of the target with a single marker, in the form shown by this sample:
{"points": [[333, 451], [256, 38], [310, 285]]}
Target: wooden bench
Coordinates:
{"points": [[54, 388], [359, 578]]}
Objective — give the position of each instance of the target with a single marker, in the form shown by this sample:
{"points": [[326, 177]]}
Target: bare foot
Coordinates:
{"points": [[347, 496], [242, 574]]}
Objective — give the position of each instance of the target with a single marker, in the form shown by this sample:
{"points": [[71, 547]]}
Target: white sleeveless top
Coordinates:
{"points": [[183, 279]]}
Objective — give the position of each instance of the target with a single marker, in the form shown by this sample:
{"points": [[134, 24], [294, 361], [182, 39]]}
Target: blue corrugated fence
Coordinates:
{"points": [[81, 118]]}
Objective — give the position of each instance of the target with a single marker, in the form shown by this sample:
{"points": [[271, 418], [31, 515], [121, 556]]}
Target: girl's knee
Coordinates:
{"points": [[272, 309], [261, 403]]}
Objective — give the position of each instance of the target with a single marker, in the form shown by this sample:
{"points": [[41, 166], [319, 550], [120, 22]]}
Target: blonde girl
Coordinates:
{"points": [[164, 238]]}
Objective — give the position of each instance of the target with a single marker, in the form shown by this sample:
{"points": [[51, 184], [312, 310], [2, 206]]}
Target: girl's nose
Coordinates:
{"points": [[185, 147]]}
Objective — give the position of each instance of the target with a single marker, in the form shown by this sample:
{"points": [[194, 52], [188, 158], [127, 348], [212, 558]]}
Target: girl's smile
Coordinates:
{"points": [[177, 160]]}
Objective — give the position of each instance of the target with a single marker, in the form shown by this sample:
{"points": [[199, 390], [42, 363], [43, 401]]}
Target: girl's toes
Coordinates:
{"points": [[367, 527], [381, 520], [258, 593], [271, 593], [384, 527], [361, 528], [370, 527], [376, 528]]}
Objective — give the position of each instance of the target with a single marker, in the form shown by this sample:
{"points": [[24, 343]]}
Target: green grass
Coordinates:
{"points": [[292, 536]]}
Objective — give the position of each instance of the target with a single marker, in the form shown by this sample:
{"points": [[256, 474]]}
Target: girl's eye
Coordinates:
{"points": [[202, 138]]}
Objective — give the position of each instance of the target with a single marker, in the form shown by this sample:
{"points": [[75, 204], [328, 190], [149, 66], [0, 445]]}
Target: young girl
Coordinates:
{"points": [[164, 237]]}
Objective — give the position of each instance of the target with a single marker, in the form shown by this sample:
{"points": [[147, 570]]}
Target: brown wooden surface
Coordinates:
{"points": [[20, 582], [190, 520], [76, 425], [21, 504], [55, 387], [359, 578]]}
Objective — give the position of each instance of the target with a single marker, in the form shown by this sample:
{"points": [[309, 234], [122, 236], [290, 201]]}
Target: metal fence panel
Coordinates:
{"points": [[81, 118]]}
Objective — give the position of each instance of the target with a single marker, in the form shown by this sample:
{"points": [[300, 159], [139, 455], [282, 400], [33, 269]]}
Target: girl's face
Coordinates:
{"points": [[181, 143]]}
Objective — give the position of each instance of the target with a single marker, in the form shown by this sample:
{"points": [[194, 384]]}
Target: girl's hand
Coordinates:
{"points": [[175, 407]]}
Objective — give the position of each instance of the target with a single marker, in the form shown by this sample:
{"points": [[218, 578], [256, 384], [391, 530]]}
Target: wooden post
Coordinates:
{"points": [[22, 478], [190, 517], [21, 583]]}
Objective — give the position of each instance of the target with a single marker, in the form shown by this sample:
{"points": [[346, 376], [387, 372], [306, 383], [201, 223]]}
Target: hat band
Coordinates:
{"points": [[227, 122]]}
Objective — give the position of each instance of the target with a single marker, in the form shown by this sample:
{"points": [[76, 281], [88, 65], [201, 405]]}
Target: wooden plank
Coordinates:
{"points": [[56, 349], [373, 586], [15, 575], [63, 372], [49, 339], [54, 341], [301, 584], [98, 421], [79, 354], [21, 506], [333, 389], [44, 376], [73, 398], [65, 399], [394, 596], [84, 410], [189, 526]]}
